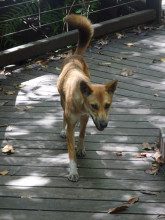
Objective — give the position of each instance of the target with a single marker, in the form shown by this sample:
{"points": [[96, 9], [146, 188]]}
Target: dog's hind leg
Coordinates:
{"points": [[80, 150]]}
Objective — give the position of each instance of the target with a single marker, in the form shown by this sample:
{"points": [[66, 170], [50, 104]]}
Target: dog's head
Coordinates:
{"points": [[98, 100]]}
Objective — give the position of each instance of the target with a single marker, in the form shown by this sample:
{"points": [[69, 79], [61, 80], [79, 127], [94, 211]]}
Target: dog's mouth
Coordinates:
{"points": [[97, 124]]}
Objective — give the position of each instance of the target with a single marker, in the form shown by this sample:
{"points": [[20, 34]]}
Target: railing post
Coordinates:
{"points": [[157, 5]]}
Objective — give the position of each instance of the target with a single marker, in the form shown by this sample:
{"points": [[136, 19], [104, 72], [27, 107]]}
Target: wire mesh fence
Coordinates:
{"points": [[24, 21]]}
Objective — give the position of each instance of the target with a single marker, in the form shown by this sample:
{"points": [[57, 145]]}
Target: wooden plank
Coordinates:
{"points": [[86, 194], [22, 171], [58, 215], [62, 160], [79, 205], [88, 183]]}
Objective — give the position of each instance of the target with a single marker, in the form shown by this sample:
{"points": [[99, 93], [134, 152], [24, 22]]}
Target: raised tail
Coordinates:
{"points": [[85, 31]]}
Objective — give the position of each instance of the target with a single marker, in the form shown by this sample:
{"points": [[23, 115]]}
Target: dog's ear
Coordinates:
{"points": [[111, 86], [85, 88]]}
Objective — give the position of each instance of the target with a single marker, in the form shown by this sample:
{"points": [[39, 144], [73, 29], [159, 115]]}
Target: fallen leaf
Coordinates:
{"points": [[142, 155], [105, 64], [155, 61], [116, 58], [10, 92], [19, 86], [158, 157], [102, 42], [163, 59], [2, 72], [27, 68], [98, 47], [126, 72], [4, 172], [3, 103], [146, 146], [151, 172], [57, 68], [100, 53], [119, 36], [43, 62], [8, 149], [160, 216], [19, 108], [129, 44], [44, 66], [25, 197], [117, 209], [29, 107], [119, 154], [133, 200], [149, 192]]}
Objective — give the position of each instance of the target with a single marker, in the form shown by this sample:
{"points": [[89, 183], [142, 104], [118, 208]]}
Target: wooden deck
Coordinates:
{"points": [[36, 186]]}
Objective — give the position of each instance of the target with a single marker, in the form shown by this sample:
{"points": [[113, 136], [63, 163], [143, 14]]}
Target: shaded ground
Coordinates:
{"points": [[36, 186]]}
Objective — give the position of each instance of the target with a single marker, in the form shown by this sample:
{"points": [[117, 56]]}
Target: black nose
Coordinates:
{"points": [[103, 124]]}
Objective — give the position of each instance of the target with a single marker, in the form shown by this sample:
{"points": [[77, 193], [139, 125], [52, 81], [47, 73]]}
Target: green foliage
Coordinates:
{"points": [[12, 21]]}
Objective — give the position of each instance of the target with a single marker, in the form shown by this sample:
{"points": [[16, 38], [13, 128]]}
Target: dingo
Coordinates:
{"points": [[79, 98]]}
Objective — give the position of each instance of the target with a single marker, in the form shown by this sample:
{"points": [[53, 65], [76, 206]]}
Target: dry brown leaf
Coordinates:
{"points": [[102, 42], [119, 154], [155, 61], [126, 72], [146, 146], [8, 149], [4, 172], [149, 192], [158, 157], [98, 47], [19, 108], [133, 200], [119, 36], [25, 197], [117, 209], [3, 103], [129, 44], [142, 155], [57, 68], [10, 92], [43, 62], [29, 107], [152, 172], [160, 216], [100, 53]]}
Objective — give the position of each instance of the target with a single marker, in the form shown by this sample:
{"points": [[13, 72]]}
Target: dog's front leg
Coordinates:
{"points": [[80, 151], [73, 175]]}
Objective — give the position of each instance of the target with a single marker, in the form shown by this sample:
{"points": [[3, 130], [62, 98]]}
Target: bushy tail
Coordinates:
{"points": [[85, 31]]}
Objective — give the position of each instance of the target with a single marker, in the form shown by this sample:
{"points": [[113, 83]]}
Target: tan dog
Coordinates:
{"points": [[80, 98]]}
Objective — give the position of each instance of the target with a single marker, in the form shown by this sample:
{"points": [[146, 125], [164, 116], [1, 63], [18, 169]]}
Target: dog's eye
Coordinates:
{"points": [[107, 106], [94, 106]]}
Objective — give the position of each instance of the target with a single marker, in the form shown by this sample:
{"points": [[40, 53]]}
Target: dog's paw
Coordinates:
{"points": [[63, 133], [73, 177], [80, 152]]}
